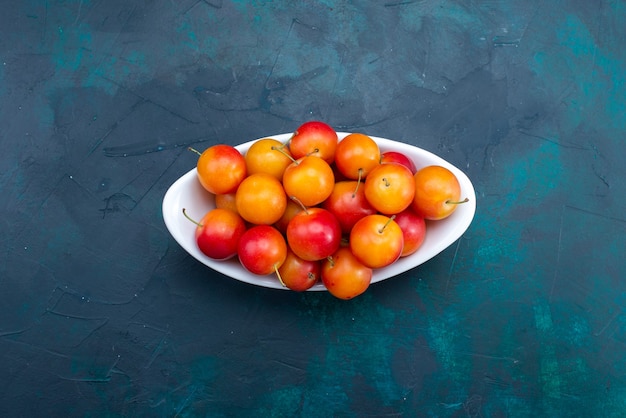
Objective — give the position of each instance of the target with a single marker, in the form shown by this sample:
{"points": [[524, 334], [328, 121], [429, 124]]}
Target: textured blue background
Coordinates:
{"points": [[103, 314]]}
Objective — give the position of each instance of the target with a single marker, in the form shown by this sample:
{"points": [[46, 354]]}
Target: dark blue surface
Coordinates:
{"points": [[103, 314]]}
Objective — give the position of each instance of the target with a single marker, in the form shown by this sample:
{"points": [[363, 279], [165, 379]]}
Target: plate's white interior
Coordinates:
{"points": [[187, 193]]}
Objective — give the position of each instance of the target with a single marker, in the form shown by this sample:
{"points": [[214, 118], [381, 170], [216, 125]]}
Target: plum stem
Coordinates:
{"points": [[288, 141], [358, 183], [192, 220], [315, 151], [382, 229], [280, 279], [452, 202], [194, 150], [281, 149], [295, 199]]}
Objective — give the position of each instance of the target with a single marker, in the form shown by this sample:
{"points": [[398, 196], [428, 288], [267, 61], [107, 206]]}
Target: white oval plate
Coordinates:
{"points": [[187, 193]]}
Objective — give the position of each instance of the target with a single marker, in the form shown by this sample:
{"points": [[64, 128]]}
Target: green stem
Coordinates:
{"points": [[382, 229], [194, 150], [280, 279], [358, 183], [192, 220], [452, 202], [295, 199]]}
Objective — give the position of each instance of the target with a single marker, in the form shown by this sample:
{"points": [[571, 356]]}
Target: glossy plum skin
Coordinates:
{"points": [[356, 155], [218, 233], [221, 168], [262, 249], [298, 274], [399, 158], [344, 276], [261, 199], [314, 138], [437, 192], [268, 156], [390, 188], [348, 203], [309, 179], [413, 228], [291, 210], [314, 234], [376, 241]]}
